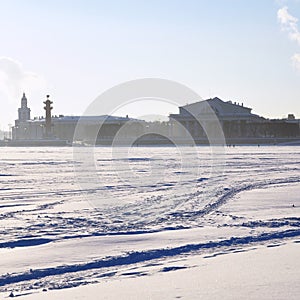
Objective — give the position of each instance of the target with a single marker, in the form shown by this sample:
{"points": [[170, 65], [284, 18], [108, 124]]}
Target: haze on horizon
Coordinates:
{"points": [[74, 50]]}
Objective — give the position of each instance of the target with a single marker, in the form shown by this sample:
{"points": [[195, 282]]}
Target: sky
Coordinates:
{"points": [[244, 51]]}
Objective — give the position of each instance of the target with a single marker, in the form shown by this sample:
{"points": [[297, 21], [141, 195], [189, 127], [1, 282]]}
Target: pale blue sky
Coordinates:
{"points": [[75, 50]]}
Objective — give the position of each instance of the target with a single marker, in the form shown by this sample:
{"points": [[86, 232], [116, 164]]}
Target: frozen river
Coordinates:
{"points": [[66, 221]]}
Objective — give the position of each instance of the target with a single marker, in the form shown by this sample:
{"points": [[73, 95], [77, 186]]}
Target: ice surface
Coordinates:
{"points": [[260, 273], [56, 235]]}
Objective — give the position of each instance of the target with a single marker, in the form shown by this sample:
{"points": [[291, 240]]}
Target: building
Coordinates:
{"points": [[24, 111], [200, 122], [63, 127], [237, 122]]}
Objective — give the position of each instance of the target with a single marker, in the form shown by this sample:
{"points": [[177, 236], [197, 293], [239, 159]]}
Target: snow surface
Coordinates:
{"points": [[240, 275], [154, 217]]}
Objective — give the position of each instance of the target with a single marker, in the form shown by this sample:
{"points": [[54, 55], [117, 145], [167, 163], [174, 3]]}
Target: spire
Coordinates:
{"points": [[24, 110], [24, 101]]}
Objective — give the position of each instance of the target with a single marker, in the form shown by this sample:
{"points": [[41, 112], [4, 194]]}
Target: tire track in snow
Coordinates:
{"points": [[221, 201], [211, 207], [144, 256]]}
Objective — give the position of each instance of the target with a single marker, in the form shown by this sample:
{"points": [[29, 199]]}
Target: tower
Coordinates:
{"points": [[48, 109], [24, 111]]}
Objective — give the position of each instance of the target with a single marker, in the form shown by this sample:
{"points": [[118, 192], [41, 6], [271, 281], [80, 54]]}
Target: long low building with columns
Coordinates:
{"points": [[236, 121]]}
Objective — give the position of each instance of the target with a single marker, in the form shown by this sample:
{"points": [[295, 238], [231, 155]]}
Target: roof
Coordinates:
{"points": [[87, 119], [220, 105], [225, 110]]}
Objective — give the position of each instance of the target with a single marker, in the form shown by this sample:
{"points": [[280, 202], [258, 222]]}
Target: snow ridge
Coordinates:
{"points": [[144, 256]]}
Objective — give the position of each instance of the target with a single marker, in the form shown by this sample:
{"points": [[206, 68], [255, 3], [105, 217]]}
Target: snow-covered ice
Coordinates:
{"points": [[245, 274], [155, 219]]}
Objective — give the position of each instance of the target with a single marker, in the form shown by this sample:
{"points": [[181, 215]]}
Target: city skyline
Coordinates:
{"points": [[76, 50]]}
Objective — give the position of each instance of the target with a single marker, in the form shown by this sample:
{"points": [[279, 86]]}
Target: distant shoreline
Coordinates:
{"points": [[155, 143]]}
